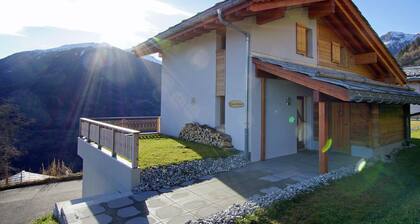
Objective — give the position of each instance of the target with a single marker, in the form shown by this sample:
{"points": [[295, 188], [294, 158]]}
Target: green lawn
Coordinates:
{"points": [[165, 150], [415, 124], [383, 193], [47, 219]]}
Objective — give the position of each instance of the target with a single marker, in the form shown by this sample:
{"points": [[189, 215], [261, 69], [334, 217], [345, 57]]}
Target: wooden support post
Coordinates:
{"points": [[322, 136], [135, 151], [263, 119], [407, 124]]}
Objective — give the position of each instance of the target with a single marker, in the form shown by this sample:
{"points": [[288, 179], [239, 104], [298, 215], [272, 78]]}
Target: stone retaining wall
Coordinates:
{"points": [[186, 173]]}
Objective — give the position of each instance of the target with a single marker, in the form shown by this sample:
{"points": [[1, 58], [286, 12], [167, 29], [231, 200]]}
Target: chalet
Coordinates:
{"points": [[283, 76], [279, 76]]}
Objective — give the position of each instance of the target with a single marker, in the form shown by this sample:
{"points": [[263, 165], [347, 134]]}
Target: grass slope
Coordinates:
{"points": [[165, 150], [47, 219], [384, 193]]}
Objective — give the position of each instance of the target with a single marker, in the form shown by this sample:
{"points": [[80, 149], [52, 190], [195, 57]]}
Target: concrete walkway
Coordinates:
{"points": [[21, 205], [212, 195]]}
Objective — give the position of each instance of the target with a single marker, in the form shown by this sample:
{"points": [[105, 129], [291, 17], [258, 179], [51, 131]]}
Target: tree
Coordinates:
{"points": [[11, 121]]}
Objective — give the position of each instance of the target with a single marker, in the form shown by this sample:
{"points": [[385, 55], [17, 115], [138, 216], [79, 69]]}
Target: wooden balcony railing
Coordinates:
{"points": [[149, 124], [119, 135]]}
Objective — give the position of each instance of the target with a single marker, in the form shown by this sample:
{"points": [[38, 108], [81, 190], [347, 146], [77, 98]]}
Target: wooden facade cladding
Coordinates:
{"points": [[344, 59], [391, 124], [220, 72], [362, 124]]}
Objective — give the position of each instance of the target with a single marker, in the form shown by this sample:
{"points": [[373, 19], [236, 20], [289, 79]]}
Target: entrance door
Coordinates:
{"points": [[340, 127], [300, 123]]}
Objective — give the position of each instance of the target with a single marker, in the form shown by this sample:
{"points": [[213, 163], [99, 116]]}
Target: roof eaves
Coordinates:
{"points": [[199, 17], [377, 36]]}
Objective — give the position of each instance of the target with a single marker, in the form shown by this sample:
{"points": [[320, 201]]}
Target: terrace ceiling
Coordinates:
{"points": [[341, 15]]}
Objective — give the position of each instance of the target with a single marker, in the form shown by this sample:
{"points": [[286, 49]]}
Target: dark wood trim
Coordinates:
{"points": [[270, 15], [263, 6], [328, 89], [263, 119], [321, 9]]}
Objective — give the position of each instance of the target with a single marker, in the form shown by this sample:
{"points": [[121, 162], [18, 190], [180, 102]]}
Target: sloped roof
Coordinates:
{"points": [[359, 88], [359, 30], [413, 73]]}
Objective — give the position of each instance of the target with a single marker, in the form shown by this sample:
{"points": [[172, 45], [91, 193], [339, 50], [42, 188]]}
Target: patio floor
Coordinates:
{"points": [[213, 195]]}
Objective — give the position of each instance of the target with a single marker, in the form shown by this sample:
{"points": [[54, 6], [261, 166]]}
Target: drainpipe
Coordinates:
{"points": [[247, 71]]}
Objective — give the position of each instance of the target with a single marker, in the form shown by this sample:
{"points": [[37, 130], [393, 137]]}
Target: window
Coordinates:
{"points": [[303, 40], [335, 52]]}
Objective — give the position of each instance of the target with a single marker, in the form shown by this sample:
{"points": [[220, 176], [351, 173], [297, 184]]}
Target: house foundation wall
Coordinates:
{"points": [[103, 174]]}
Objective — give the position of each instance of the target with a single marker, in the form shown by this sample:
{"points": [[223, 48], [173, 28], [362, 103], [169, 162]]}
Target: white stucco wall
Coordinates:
{"points": [[189, 84], [236, 59], [281, 136], [103, 174], [188, 76], [276, 40]]}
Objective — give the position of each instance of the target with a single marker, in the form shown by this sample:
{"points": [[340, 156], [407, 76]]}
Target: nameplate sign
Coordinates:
{"points": [[236, 104]]}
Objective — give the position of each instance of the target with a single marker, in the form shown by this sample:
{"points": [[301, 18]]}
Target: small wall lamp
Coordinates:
{"points": [[288, 101]]}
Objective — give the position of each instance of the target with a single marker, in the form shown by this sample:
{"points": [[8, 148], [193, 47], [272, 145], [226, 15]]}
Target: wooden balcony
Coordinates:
{"points": [[119, 135]]}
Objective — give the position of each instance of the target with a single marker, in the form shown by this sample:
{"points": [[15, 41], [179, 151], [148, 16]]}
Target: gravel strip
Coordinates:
{"points": [[237, 211], [187, 173]]}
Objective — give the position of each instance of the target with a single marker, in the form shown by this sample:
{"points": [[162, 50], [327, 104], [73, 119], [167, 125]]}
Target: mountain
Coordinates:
{"points": [[55, 87], [396, 41], [410, 54]]}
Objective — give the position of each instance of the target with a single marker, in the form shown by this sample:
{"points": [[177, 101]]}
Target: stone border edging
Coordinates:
{"points": [[236, 211], [186, 173]]}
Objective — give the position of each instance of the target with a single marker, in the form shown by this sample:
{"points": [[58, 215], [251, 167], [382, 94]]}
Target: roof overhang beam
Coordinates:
{"points": [[263, 6]]}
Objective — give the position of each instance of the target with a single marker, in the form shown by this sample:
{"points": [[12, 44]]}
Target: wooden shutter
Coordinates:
{"points": [[336, 52], [301, 41], [220, 73]]}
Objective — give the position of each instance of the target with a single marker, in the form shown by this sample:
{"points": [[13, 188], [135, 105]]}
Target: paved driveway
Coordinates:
{"points": [[22, 205], [209, 196]]}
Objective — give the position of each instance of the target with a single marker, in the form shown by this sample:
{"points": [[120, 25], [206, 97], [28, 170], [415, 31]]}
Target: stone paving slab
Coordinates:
{"points": [[128, 212], [119, 203], [211, 195]]}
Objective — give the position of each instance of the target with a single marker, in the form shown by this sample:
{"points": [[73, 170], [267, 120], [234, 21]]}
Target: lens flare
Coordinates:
{"points": [[360, 165]]}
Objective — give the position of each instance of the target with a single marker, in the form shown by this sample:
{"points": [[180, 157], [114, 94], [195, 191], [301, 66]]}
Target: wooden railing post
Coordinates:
{"points": [[80, 128], [88, 132], [158, 125], [135, 151], [99, 137], [114, 154]]}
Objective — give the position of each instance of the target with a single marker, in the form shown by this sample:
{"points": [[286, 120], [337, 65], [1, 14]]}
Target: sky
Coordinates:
{"points": [[41, 24]]}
